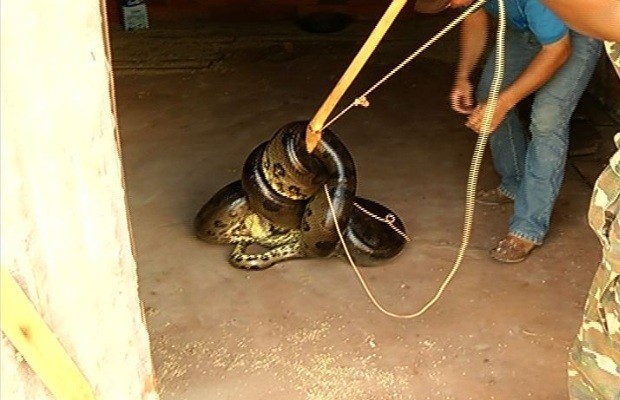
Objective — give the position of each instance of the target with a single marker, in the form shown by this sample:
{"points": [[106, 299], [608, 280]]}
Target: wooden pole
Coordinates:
{"points": [[313, 132]]}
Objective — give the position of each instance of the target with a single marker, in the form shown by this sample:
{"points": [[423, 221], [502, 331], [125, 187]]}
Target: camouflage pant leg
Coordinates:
{"points": [[594, 363], [594, 360]]}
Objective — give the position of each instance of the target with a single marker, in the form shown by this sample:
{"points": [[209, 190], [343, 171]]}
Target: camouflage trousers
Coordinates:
{"points": [[594, 360]]}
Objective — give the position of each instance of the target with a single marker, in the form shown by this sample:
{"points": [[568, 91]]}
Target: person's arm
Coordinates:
{"points": [[473, 39], [595, 18], [540, 70], [544, 65]]}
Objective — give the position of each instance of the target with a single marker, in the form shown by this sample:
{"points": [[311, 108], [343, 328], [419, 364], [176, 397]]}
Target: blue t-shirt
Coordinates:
{"points": [[531, 15]]}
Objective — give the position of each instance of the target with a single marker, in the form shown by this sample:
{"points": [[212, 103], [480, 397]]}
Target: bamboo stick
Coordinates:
{"points": [[315, 127]]}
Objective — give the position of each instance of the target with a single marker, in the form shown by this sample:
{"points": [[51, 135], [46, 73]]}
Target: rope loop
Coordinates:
{"points": [[474, 167]]}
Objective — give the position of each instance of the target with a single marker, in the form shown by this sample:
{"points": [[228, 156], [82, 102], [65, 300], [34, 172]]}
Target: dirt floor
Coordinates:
{"points": [[193, 103]]}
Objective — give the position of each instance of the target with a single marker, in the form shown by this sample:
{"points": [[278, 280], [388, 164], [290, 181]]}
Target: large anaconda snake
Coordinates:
{"points": [[281, 206]]}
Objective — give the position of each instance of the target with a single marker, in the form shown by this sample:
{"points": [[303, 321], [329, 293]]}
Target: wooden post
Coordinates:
{"points": [[313, 132]]}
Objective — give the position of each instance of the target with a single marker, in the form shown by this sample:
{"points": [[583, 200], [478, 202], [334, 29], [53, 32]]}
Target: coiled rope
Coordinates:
{"points": [[474, 169]]}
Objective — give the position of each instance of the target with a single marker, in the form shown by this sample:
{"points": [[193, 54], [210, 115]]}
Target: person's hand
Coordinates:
{"points": [[461, 97], [474, 122]]}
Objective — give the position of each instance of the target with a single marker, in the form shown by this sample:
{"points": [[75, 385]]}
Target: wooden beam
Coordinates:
{"points": [[313, 132], [34, 340]]}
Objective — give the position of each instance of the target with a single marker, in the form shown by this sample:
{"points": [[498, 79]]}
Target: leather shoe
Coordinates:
{"points": [[512, 249]]}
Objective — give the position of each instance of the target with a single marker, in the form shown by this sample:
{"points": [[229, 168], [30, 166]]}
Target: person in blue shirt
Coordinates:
{"points": [[594, 358], [545, 58]]}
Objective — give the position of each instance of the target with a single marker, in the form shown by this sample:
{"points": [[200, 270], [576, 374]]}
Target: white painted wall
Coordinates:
{"points": [[64, 225]]}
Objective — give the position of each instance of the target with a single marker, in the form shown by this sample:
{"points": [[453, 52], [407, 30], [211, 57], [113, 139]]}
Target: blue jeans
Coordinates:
{"points": [[532, 166]]}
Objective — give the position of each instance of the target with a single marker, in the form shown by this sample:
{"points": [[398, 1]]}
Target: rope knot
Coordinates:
{"points": [[389, 219], [361, 101]]}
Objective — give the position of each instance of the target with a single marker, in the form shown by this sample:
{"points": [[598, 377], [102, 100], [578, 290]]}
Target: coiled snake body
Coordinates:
{"points": [[280, 205]]}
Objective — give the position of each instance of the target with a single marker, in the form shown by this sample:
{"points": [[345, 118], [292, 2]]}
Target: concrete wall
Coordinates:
{"points": [[64, 231]]}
